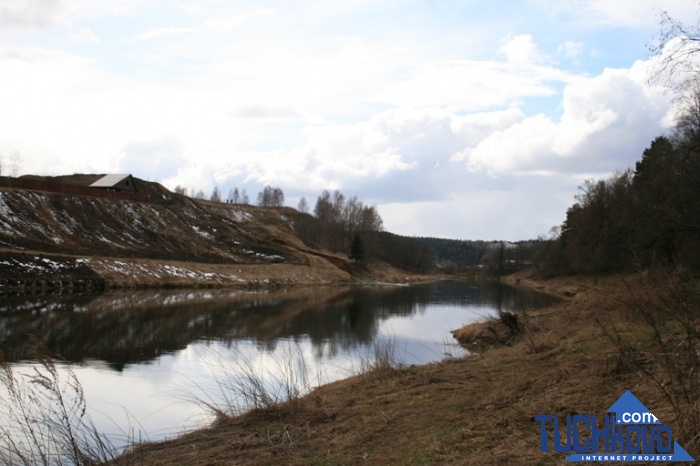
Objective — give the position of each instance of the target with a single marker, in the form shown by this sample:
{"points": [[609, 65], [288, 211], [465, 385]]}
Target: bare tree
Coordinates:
{"points": [[215, 195], [271, 197], [303, 206], [687, 131], [370, 220], [338, 206], [352, 215], [323, 207], [233, 196], [15, 163], [180, 190], [676, 45], [278, 197]]}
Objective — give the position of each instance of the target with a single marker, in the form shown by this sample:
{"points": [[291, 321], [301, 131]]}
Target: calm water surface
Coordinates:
{"points": [[143, 356]]}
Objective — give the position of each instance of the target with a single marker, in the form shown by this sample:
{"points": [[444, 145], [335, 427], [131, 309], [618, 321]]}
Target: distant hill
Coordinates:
{"points": [[170, 240], [460, 253]]}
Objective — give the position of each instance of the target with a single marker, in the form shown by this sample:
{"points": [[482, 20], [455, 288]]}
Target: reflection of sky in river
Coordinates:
{"points": [[152, 397], [155, 399], [426, 337]]}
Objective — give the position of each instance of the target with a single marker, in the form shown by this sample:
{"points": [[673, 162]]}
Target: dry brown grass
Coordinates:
{"points": [[475, 410]]}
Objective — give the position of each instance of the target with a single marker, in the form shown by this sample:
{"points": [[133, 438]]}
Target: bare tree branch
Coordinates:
{"points": [[677, 45]]}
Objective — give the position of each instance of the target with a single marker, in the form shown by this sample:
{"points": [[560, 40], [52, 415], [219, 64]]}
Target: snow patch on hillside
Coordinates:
{"points": [[240, 216], [159, 271]]}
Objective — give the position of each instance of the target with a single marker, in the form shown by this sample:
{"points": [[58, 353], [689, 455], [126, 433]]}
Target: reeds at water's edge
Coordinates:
{"points": [[44, 418]]}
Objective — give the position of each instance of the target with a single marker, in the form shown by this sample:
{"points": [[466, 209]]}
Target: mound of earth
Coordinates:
{"points": [[171, 240]]}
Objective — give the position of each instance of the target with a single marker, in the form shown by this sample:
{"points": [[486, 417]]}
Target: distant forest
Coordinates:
{"points": [[459, 253], [498, 257]]}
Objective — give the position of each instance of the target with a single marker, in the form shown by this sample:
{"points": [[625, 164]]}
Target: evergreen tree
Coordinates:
{"points": [[357, 249]]}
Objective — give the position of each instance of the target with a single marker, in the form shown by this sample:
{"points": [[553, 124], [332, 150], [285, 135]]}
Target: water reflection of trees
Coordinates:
{"points": [[123, 328]]}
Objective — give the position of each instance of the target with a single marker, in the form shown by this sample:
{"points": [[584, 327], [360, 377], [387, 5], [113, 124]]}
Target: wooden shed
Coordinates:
{"points": [[122, 183]]}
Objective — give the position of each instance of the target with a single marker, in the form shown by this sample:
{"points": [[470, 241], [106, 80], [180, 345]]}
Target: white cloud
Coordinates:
{"points": [[475, 85], [152, 160], [620, 13], [506, 208], [235, 21], [571, 49], [192, 9], [160, 32], [46, 14], [314, 96], [607, 120], [263, 112], [83, 36], [521, 50], [30, 13]]}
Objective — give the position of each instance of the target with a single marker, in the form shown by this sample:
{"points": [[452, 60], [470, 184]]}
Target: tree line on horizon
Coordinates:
{"points": [[346, 225]]}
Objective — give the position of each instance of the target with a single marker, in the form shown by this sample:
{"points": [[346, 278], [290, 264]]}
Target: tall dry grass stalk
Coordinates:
{"points": [[241, 381], [43, 418], [382, 355]]}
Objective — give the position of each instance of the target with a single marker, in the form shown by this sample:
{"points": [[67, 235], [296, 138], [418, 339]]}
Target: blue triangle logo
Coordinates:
{"points": [[679, 453], [617, 444], [629, 410]]}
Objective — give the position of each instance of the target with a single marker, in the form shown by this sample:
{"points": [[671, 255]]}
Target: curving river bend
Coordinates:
{"points": [[143, 357]]}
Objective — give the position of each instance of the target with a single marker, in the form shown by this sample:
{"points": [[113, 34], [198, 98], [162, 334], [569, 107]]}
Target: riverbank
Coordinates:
{"points": [[31, 272], [573, 357]]}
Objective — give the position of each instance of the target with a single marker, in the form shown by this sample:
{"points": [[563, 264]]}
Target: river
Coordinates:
{"points": [[150, 361]]}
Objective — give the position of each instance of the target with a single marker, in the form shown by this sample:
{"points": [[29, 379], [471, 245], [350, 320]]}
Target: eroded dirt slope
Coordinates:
{"points": [[171, 240]]}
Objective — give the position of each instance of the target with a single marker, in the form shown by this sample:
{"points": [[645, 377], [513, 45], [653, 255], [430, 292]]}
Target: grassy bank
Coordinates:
{"points": [[578, 356]]}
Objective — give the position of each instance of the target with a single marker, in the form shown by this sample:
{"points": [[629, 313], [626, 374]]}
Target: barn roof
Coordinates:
{"points": [[109, 181]]}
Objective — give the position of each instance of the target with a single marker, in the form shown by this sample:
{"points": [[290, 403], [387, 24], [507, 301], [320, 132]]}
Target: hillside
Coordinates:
{"points": [[52, 240]]}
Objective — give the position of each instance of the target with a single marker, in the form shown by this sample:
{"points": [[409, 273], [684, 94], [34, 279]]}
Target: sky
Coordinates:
{"points": [[462, 119]]}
